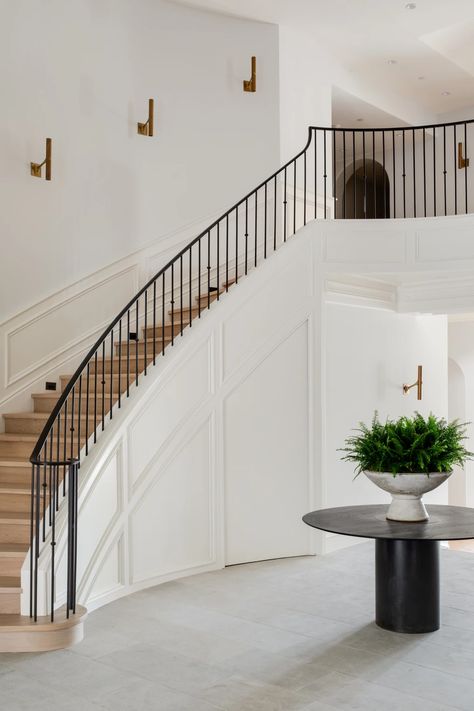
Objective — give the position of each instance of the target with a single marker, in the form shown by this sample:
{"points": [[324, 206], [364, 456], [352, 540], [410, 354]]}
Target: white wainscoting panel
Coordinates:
{"points": [[379, 246], [438, 245], [171, 527], [173, 403], [266, 456], [257, 320]]}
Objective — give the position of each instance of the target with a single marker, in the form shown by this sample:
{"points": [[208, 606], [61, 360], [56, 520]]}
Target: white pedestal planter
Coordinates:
{"points": [[406, 491]]}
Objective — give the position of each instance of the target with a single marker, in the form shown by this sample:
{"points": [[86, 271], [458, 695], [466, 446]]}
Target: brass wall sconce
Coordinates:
{"points": [[418, 383], [146, 129], [462, 162], [251, 84], [36, 167]]}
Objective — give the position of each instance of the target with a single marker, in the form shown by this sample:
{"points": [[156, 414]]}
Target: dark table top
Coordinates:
{"points": [[446, 523]]}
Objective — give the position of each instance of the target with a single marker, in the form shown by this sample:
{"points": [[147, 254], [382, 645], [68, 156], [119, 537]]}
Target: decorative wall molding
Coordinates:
{"points": [[362, 291], [453, 294]]}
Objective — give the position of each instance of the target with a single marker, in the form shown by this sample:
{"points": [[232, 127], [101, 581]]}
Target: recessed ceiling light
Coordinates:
{"points": [[445, 93], [410, 6], [391, 61]]}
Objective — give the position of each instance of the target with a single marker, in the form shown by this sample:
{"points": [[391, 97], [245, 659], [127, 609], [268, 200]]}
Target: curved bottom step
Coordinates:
{"points": [[19, 633]]}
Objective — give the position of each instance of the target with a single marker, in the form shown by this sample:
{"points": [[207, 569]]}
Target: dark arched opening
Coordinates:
{"points": [[365, 195]]}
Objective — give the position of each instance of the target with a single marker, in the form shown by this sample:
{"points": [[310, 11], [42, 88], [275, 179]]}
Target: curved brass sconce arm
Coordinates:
{"points": [[251, 84], [418, 383], [146, 129], [36, 167]]}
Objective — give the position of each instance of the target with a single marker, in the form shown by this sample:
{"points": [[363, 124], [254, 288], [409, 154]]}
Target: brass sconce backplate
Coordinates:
{"points": [[251, 84]]}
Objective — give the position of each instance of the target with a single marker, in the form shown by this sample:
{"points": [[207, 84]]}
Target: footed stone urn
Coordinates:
{"points": [[407, 491]]}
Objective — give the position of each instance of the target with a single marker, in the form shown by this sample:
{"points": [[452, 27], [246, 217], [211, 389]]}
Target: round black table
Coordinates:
{"points": [[406, 558]]}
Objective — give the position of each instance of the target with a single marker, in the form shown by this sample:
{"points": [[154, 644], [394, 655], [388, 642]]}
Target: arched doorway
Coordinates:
{"points": [[365, 194]]}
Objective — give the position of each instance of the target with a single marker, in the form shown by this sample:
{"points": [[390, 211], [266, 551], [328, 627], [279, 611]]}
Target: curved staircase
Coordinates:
{"points": [[19, 632], [41, 450]]}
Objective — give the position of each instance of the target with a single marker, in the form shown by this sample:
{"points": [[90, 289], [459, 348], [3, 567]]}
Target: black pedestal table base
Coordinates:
{"points": [[407, 585]]}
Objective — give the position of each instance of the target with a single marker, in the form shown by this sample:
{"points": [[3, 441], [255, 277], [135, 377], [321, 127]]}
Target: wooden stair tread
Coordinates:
{"points": [[12, 550], [13, 488], [15, 437], [20, 463], [115, 375], [55, 394], [148, 340], [8, 584], [39, 416], [14, 460], [27, 414], [21, 517]]}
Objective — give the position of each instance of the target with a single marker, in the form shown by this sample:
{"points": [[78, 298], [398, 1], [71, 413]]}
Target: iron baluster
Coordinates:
{"points": [[455, 171], [246, 235], [137, 321], [304, 188], [255, 238], [128, 353], [424, 170], [294, 199], [325, 175], [444, 172], [434, 172], [102, 396], [145, 324], [111, 394], [275, 212], [154, 323], [163, 316], [465, 164], [414, 172], [87, 406]]}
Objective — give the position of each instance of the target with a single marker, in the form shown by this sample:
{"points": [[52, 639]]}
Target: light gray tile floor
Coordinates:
{"points": [[272, 636]]}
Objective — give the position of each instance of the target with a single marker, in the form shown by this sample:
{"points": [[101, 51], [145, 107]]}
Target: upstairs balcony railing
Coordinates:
{"points": [[340, 173]]}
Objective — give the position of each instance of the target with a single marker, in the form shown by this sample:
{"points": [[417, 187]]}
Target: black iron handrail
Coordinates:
{"points": [[344, 173]]}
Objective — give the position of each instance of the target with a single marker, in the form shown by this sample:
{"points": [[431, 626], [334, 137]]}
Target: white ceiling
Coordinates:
{"points": [[435, 41], [348, 110]]}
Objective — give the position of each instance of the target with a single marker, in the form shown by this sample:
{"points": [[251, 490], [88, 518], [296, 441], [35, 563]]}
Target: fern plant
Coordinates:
{"points": [[409, 445]]}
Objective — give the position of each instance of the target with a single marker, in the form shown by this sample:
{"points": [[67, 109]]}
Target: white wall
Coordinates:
{"points": [[461, 353], [370, 354], [305, 91], [81, 72], [457, 485]]}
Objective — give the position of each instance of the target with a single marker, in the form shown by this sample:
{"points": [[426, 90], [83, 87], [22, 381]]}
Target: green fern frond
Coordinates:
{"points": [[415, 445]]}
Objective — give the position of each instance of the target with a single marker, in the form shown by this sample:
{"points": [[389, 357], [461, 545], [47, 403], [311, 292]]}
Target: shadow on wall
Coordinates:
{"points": [[363, 191]]}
